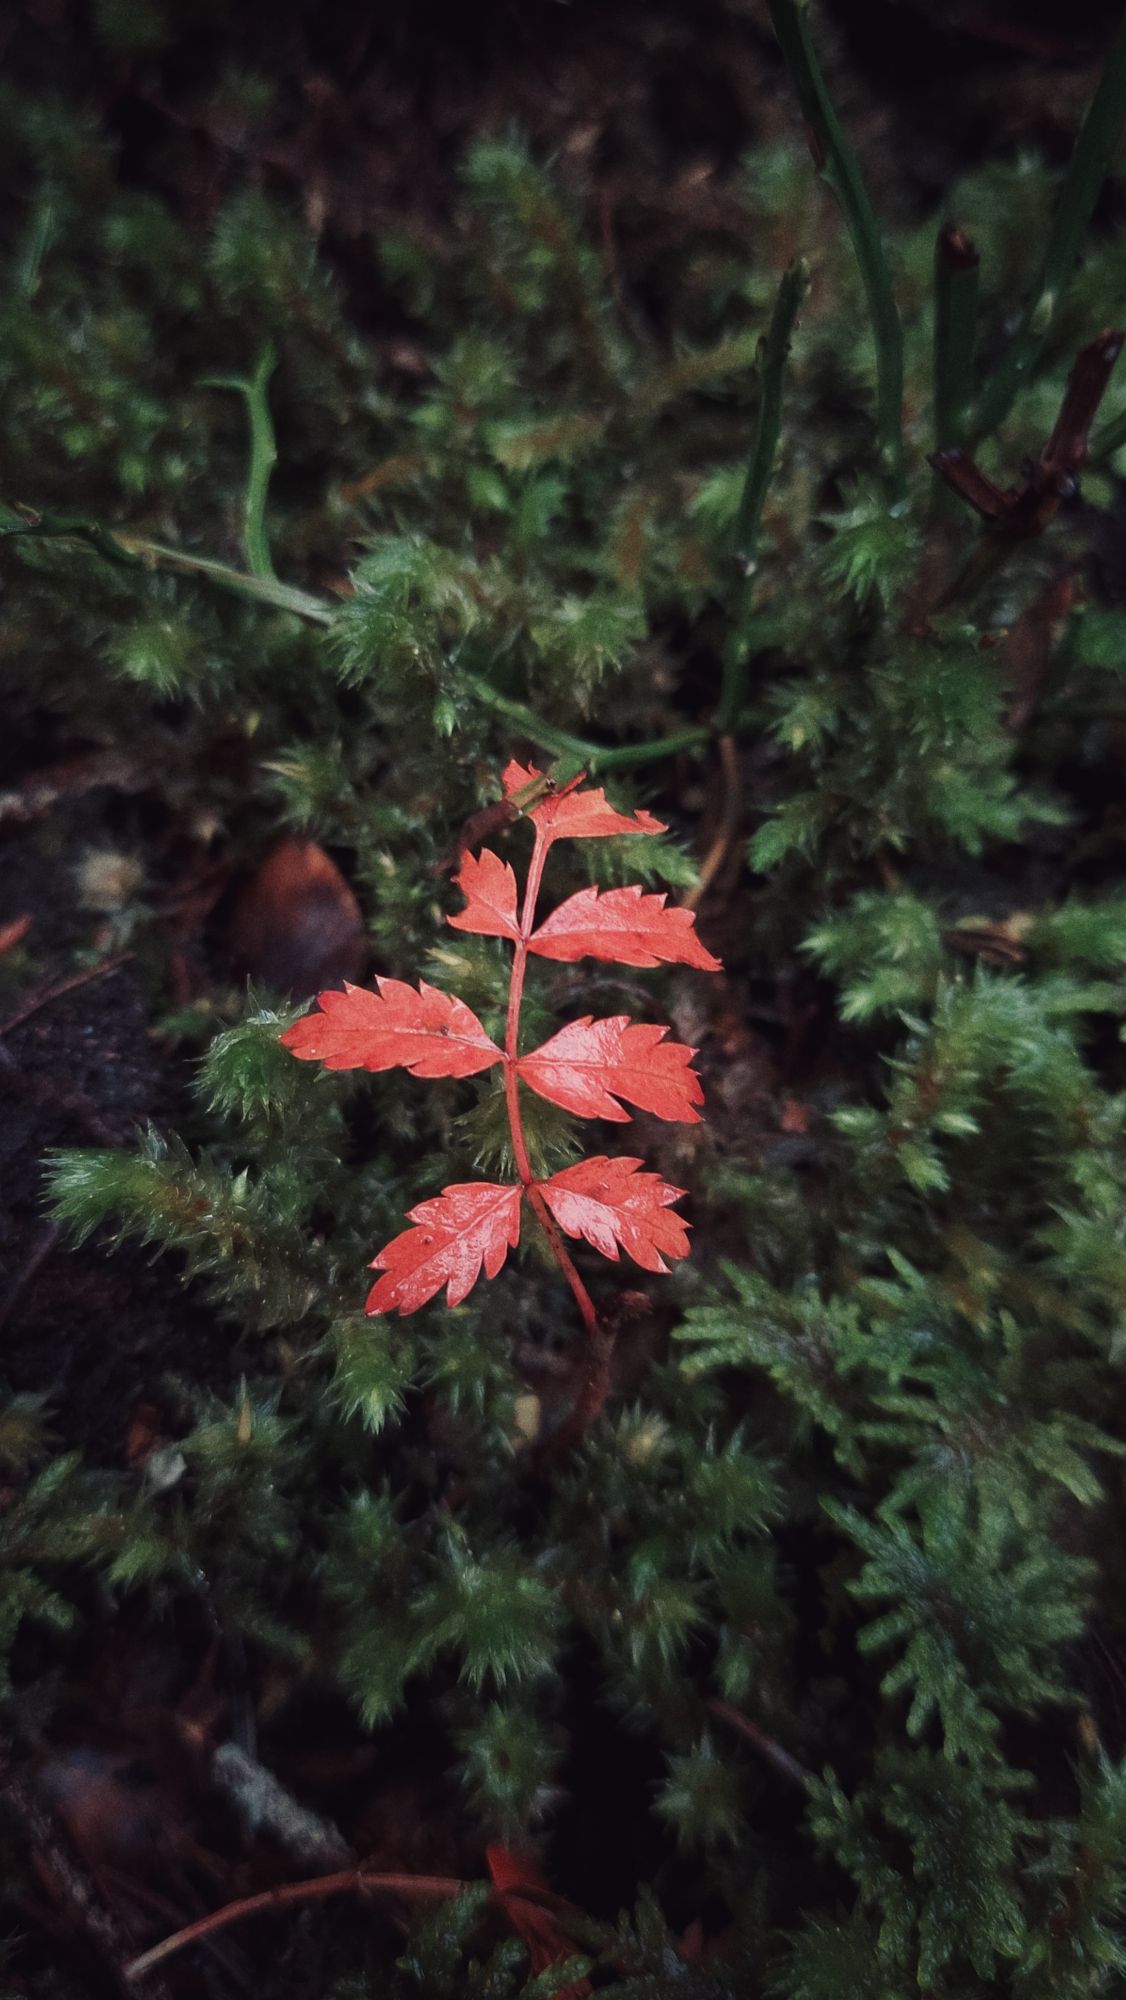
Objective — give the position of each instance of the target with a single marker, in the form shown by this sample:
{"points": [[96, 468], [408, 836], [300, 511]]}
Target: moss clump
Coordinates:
{"points": [[833, 1587]]}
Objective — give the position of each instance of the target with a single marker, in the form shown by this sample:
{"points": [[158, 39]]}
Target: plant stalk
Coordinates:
{"points": [[956, 272], [760, 471], [592, 757], [536, 1201], [135, 551], [350, 1879], [1094, 149], [836, 162], [263, 458]]}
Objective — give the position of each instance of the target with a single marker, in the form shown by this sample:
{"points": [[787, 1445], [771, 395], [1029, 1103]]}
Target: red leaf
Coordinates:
{"points": [[467, 1225], [610, 1204], [513, 1874], [587, 1060], [574, 812], [429, 1033], [624, 926], [489, 888]]}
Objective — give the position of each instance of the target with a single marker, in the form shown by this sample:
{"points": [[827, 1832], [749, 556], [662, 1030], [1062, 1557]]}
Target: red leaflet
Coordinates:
{"points": [[489, 888], [573, 812], [467, 1225], [624, 926], [587, 1060], [429, 1033], [516, 1881], [610, 1204]]}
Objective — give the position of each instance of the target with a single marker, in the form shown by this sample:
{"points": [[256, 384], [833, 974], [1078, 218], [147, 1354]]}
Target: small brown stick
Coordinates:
{"points": [[1020, 512], [781, 1760], [148, 1898], [1086, 386], [349, 1880], [108, 769], [594, 1388], [1014, 514], [55, 992], [728, 821]]}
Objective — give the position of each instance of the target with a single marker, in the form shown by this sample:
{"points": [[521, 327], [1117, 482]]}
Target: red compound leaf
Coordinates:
{"points": [[623, 926], [594, 1068], [574, 812], [522, 1892], [489, 888], [614, 1206], [467, 1225], [588, 1060], [429, 1033]]}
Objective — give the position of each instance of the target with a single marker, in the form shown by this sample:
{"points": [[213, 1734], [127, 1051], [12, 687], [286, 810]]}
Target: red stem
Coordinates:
{"points": [[564, 1260], [512, 1087], [293, 1892]]}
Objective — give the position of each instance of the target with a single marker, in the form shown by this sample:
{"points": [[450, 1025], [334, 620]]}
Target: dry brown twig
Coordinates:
{"points": [[58, 987], [349, 1881]]}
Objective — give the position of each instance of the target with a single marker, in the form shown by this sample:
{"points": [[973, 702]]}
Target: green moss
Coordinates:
{"points": [[858, 1473]]}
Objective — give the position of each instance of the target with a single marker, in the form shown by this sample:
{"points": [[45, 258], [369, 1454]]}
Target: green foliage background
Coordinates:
{"points": [[867, 1489]]}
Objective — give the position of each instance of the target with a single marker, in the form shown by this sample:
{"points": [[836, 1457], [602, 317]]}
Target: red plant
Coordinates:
{"points": [[523, 1894], [590, 1067]]}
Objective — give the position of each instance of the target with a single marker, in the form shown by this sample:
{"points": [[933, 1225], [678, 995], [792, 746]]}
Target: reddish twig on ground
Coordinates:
{"points": [[60, 986], [348, 1881], [781, 1760]]}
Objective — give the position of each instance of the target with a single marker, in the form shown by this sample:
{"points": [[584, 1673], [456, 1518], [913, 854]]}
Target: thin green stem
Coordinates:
{"points": [[836, 162], [263, 589], [67, 528], [956, 271], [263, 457], [1094, 150], [760, 471], [630, 756], [36, 245], [592, 757], [117, 546], [137, 550]]}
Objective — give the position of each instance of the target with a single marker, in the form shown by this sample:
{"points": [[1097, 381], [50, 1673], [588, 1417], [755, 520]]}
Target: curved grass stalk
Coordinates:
{"points": [[760, 472], [837, 164], [956, 274], [1094, 150], [263, 458]]}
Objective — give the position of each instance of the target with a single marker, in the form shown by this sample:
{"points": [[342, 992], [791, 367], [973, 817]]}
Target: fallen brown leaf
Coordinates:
{"points": [[296, 926]]}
